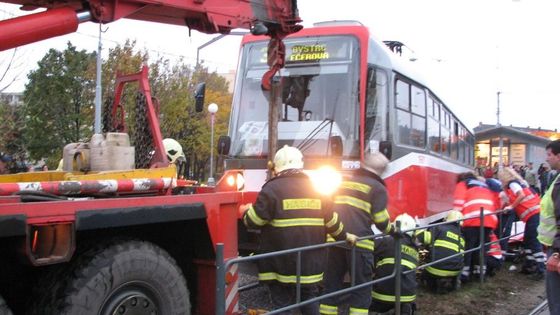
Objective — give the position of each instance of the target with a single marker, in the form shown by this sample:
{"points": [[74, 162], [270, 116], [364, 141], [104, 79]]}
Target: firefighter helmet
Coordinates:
{"points": [[454, 215], [407, 223], [287, 158], [376, 163], [173, 149]]}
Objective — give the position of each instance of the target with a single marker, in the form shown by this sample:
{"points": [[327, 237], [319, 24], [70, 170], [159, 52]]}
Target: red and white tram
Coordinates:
{"points": [[344, 95]]}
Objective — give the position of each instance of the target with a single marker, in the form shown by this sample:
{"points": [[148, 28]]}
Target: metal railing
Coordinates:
{"points": [[222, 266]]}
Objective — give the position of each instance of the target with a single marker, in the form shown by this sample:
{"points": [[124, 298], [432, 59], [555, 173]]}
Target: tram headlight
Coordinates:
{"points": [[325, 179]]}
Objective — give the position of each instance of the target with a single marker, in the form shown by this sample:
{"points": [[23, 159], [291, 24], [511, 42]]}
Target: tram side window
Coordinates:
{"points": [[470, 145], [454, 139], [376, 106], [445, 124], [410, 101], [434, 140], [462, 144]]}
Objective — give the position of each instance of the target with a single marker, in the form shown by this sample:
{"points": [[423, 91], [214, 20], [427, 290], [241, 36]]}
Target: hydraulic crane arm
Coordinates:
{"points": [[275, 18]]}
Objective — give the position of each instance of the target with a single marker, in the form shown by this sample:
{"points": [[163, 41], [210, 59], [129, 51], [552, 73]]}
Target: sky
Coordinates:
{"points": [[469, 50]]}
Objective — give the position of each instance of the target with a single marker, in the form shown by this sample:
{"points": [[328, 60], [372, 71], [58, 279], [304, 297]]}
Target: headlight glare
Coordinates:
{"points": [[325, 179]]}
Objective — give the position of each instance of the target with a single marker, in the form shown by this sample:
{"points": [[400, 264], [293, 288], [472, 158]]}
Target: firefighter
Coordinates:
{"points": [[360, 202], [443, 241], [472, 194], [527, 207], [549, 229], [175, 155], [383, 293], [290, 213], [173, 150]]}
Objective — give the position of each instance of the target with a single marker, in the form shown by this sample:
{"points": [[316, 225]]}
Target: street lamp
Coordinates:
{"points": [[212, 109]]}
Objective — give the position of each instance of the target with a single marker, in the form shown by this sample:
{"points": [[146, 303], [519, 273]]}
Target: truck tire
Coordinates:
{"points": [[4, 310], [125, 277]]}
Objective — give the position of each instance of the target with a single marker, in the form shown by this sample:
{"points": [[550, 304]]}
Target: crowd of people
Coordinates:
{"points": [[538, 179], [9, 165], [503, 196]]}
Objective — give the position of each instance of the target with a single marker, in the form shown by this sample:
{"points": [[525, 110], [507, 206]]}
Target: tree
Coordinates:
{"points": [[11, 139], [58, 102], [173, 85], [10, 69]]}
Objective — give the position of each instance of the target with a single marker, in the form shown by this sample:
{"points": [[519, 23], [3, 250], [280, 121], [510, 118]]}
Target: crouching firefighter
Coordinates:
{"points": [[360, 202], [290, 214], [383, 293], [443, 241]]}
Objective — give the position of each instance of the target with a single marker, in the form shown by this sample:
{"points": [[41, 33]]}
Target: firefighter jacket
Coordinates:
{"points": [[384, 254], [443, 241], [360, 202], [290, 214], [470, 196], [529, 206]]}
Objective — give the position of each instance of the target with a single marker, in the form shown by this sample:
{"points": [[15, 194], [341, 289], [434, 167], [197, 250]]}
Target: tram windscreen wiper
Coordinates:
{"points": [[310, 139]]}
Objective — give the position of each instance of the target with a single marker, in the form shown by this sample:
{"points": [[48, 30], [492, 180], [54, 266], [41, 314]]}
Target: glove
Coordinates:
{"points": [[242, 209], [351, 239], [553, 263]]}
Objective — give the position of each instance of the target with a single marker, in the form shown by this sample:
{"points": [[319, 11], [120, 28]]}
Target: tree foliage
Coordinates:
{"points": [[60, 94], [58, 102], [11, 138]]}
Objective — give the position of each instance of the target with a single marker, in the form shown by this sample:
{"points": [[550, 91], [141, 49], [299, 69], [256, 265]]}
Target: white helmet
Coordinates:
{"points": [[173, 149], [376, 163], [454, 215], [407, 223], [287, 158]]}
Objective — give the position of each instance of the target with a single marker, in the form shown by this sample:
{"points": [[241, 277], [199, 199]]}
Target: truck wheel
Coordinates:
{"points": [[127, 277], [4, 310]]}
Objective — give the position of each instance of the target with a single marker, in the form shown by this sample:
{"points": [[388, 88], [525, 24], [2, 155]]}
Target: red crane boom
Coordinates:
{"points": [[275, 18]]}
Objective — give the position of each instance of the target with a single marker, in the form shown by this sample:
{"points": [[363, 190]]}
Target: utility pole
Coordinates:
{"points": [[501, 142], [97, 121]]}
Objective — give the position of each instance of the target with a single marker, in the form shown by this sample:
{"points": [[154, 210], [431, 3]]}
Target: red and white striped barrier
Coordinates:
{"points": [[232, 290], [85, 187]]}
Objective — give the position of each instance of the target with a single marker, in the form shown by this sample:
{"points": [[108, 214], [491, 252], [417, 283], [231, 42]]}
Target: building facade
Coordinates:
{"points": [[519, 145]]}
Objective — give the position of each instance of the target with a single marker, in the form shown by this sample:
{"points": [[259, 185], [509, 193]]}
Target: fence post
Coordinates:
{"points": [[220, 280], [398, 268], [482, 244]]}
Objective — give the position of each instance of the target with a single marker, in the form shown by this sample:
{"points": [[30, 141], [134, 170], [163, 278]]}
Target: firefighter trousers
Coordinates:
{"points": [[338, 264], [283, 295]]}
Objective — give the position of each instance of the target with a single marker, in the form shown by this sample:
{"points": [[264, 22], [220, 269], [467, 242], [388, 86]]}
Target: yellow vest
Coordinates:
{"points": [[547, 224]]}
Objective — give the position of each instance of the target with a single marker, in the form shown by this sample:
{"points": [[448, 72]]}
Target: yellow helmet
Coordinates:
{"points": [[287, 158], [454, 215], [407, 223]]}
